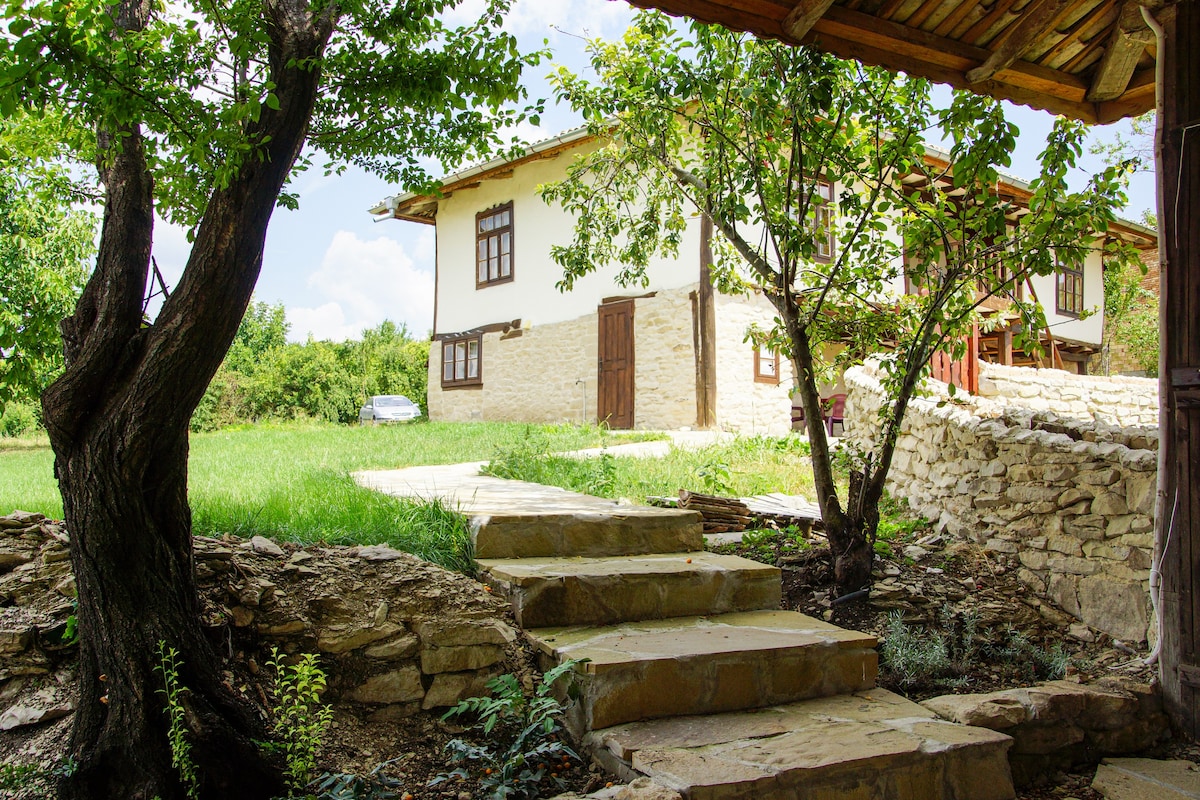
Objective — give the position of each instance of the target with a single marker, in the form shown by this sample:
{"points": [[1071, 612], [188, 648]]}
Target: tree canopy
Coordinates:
{"points": [[200, 113], [45, 246], [826, 199]]}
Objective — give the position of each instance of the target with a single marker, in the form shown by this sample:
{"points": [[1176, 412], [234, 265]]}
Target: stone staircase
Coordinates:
{"points": [[695, 678]]}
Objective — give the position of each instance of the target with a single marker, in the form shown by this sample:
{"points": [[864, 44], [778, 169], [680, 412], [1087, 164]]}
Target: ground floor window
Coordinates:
{"points": [[461, 361], [766, 367]]}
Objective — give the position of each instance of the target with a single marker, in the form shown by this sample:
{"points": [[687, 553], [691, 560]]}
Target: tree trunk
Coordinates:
{"points": [[118, 423]]}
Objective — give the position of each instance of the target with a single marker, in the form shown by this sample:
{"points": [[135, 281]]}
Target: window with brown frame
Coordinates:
{"points": [[1070, 292], [462, 361], [822, 200], [766, 367], [494, 246]]}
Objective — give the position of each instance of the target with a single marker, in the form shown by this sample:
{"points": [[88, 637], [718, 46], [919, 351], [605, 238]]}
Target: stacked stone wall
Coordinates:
{"points": [[395, 634], [1117, 399], [1070, 502]]}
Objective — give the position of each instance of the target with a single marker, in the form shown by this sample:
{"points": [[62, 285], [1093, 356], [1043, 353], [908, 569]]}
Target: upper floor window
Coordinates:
{"points": [[461, 361], [494, 246], [1069, 292]]}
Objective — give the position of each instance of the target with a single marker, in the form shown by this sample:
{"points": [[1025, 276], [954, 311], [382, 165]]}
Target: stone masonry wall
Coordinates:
{"points": [[541, 373], [1116, 399], [743, 404], [1070, 501]]}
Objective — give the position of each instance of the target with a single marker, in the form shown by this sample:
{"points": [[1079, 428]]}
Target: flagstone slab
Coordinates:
{"points": [[548, 592], [705, 665], [869, 745]]}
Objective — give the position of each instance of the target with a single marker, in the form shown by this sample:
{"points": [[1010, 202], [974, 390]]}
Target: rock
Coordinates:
{"points": [[264, 546], [437, 633], [459, 659], [646, 789], [398, 686], [344, 638], [377, 552], [10, 558], [20, 716], [996, 710], [1081, 632], [402, 647], [1115, 606], [450, 687], [915, 552], [21, 519], [1147, 779]]}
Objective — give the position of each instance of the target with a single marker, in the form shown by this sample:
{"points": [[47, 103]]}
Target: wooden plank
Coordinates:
{"points": [[1178, 524], [803, 16], [1033, 24], [924, 12], [1072, 35], [1126, 43], [954, 77]]}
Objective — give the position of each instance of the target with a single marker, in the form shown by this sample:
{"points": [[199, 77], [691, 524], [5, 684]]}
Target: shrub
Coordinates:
{"points": [[19, 419]]}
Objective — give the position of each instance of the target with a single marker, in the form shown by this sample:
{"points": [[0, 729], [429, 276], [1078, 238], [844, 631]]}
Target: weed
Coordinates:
{"points": [[523, 738], [377, 785], [1033, 662], [911, 656], [759, 545], [715, 477], [36, 780], [300, 716], [177, 734]]}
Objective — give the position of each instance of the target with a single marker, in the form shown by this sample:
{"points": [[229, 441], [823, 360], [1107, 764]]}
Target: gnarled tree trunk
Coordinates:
{"points": [[118, 423]]}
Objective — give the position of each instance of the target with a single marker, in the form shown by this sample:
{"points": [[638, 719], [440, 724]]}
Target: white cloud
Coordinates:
{"points": [[364, 282]]}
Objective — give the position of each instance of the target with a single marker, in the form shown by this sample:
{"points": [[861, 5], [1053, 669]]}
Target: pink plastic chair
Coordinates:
{"points": [[835, 415]]}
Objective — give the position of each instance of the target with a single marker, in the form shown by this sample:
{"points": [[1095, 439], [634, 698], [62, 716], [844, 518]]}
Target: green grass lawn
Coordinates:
{"points": [[291, 482], [742, 467]]}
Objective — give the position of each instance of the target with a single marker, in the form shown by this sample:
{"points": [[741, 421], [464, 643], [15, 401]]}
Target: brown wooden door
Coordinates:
{"points": [[615, 381]]}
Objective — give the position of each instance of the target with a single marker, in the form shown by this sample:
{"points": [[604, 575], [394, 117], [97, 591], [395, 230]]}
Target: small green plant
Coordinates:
{"points": [[1034, 663], [759, 545], [300, 716], [715, 477], [911, 655], [522, 734], [177, 733], [35, 780], [377, 785]]}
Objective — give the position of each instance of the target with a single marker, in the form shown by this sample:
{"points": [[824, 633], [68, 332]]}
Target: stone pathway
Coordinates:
{"points": [[694, 677]]}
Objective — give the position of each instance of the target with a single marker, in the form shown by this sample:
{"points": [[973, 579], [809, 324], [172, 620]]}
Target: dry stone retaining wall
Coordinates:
{"points": [[394, 633], [1117, 399], [1070, 501]]}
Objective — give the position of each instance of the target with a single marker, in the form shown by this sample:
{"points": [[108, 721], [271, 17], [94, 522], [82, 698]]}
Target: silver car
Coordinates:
{"points": [[388, 408]]}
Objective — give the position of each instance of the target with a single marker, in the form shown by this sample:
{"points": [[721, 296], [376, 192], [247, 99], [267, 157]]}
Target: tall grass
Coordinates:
{"points": [[742, 467], [291, 482]]}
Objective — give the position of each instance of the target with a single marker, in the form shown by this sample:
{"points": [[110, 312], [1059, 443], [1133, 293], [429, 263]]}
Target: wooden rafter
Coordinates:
{"points": [[803, 16], [1126, 43], [1034, 23]]}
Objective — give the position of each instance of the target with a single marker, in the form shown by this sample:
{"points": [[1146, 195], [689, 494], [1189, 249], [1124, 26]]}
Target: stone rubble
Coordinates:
{"points": [[395, 633]]}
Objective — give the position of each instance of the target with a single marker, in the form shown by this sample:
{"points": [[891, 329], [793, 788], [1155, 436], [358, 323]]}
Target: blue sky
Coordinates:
{"points": [[338, 272]]}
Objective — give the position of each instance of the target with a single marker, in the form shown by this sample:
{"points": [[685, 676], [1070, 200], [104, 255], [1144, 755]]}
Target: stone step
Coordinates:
{"points": [[705, 665], [873, 745], [549, 592], [623, 530], [1147, 779]]}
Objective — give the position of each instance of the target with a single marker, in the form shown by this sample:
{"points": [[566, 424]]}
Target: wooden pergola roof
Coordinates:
{"points": [[1088, 59]]}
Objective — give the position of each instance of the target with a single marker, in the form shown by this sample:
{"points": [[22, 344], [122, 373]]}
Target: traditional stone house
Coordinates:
{"points": [[508, 345]]}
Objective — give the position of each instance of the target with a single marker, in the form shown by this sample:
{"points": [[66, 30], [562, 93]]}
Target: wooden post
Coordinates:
{"points": [[1004, 341], [1178, 510], [706, 377]]}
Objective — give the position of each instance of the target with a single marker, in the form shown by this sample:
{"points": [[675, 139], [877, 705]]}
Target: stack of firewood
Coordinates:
{"points": [[720, 514]]}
